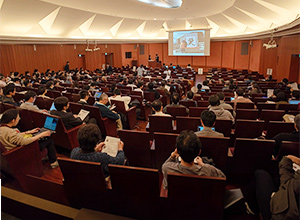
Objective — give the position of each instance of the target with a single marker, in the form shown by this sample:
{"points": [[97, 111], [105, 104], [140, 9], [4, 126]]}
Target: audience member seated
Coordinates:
{"points": [[220, 112], [163, 87], [62, 104], [2, 81], [295, 95], [280, 99], [254, 89], [188, 147], [205, 85], [50, 85], [223, 104], [150, 89], [106, 111], [274, 199], [208, 120], [41, 92], [130, 84], [117, 96], [240, 97], [175, 102], [294, 136], [157, 108], [11, 137], [29, 100], [112, 88], [121, 83], [90, 147], [139, 88], [84, 96], [189, 97], [8, 92], [226, 86]]}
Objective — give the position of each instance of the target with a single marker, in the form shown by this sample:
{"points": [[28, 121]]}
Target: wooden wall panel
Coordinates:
{"points": [[214, 60], [129, 48], [287, 46], [199, 61], [156, 49], [228, 50], [143, 59], [168, 59], [241, 61], [7, 59], [255, 51], [184, 60]]}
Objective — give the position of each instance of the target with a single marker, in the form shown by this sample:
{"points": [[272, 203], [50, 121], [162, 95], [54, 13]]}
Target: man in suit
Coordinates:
{"points": [[84, 96], [29, 100], [62, 104], [106, 112], [67, 67]]}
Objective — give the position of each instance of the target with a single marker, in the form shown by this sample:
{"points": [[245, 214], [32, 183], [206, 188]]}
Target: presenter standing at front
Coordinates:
{"points": [[157, 58]]}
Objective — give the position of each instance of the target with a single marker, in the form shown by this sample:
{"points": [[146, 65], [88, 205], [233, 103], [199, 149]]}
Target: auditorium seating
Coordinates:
{"points": [[277, 127], [84, 184], [176, 111], [195, 197], [137, 147], [196, 111], [249, 155], [288, 148], [187, 123], [160, 124], [223, 126], [271, 115], [135, 192], [130, 113], [249, 114], [248, 128], [22, 160]]}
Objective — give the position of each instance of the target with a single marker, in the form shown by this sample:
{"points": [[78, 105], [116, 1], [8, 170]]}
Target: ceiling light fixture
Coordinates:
{"points": [[87, 47], [95, 47], [272, 43], [164, 3]]}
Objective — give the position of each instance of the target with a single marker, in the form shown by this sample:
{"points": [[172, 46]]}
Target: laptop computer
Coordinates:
{"points": [[294, 102], [97, 95], [52, 107], [200, 128], [50, 125]]}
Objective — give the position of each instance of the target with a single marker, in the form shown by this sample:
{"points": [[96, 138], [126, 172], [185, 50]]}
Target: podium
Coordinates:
{"points": [[154, 64]]}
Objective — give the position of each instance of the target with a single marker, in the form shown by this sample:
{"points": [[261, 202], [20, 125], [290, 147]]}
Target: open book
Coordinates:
{"points": [[111, 146], [82, 114]]}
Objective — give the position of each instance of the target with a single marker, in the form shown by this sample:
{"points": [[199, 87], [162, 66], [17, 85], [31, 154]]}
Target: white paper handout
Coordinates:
{"points": [[82, 114], [111, 146]]}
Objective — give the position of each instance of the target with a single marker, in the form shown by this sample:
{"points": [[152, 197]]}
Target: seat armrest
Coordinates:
{"points": [[131, 117]]}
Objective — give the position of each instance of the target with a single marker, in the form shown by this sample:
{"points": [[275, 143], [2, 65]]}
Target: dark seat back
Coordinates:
{"points": [[288, 148], [160, 124], [249, 114], [223, 126], [277, 127], [196, 111], [176, 111], [187, 123], [248, 128]]}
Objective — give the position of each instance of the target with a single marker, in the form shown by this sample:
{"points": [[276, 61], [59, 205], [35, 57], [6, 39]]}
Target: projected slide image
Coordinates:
{"points": [[188, 42]]}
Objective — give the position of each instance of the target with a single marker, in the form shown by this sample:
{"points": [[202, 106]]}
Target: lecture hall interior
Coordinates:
{"points": [[202, 95]]}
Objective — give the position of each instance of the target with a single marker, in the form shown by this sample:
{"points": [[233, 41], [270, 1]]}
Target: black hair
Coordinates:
{"points": [[61, 102], [150, 85], [188, 146], [83, 94], [285, 80], [49, 84], [163, 83], [9, 115], [221, 95], [280, 97], [199, 86], [156, 104], [117, 92], [9, 88], [29, 94], [208, 118], [41, 90], [190, 94], [240, 91], [214, 100], [175, 98], [88, 137], [205, 82]]}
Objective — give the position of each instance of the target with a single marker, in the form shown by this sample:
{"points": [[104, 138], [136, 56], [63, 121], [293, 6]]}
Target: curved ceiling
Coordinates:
{"points": [[133, 19]]}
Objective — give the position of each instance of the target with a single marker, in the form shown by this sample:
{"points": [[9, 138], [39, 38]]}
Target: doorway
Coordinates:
{"points": [[295, 68], [109, 58], [82, 61]]}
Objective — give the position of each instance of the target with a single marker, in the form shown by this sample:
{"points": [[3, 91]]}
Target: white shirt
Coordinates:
{"points": [[125, 99], [139, 90], [140, 71]]}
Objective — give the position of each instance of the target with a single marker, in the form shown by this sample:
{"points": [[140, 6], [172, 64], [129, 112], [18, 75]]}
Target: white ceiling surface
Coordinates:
{"points": [[132, 19]]}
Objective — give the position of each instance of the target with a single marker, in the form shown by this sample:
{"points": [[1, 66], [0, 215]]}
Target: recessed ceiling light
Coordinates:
{"points": [[164, 4], [154, 18]]}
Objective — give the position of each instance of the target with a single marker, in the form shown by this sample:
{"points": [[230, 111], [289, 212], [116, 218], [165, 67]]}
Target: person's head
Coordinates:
{"points": [[296, 122], [240, 91], [42, 90], [10, 116], [84, 94], [29, 96], [188, 146], [208, 118], [117, 92], [50, 85], [163, 83], [61, 103], [140, 85], [27, 83], [175, 98], [16, 80], [103, 99], [88, 137], [280, 97], [205, 82], [157, 105], [285, 80], [214, 100], [199, 87], [296, 94], [255, 86], [9, 89], [190, 95], [150, 85], [221, 96]]}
